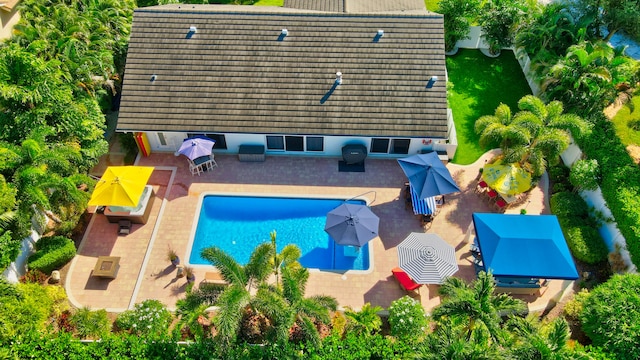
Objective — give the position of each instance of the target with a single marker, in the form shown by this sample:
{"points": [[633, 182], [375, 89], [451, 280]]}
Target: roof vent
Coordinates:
{"points": [[380, 33], [153, 78], [284, 32], [193, 29], [338, 78], [432, 81]]}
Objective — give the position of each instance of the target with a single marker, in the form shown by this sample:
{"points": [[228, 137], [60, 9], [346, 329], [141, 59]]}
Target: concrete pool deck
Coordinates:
{"points": [[145, 272]]}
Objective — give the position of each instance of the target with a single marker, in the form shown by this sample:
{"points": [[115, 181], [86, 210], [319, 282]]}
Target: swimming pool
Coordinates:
{"points": [[237, 224]]}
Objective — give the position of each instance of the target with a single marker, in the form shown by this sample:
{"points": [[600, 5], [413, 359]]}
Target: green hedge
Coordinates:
{"points": [[52, 253], [579, 228], [620, 180]]}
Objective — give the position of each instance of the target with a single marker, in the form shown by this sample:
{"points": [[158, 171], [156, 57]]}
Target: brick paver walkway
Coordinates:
{"points": [[145, 272]]}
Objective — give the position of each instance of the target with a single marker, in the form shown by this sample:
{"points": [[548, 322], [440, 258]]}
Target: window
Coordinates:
{"points": [[400, 146], [294, 143], [221, 141], [275, 143], [162, 139], [379, 145], [315, 143]]}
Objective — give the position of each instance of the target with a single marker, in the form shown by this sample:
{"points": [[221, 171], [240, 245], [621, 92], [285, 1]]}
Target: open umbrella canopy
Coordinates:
{"points": [[524, 246], [121, 186], [428, 175], [508, 179], [427, 258], [352, 224], [196, 147]]}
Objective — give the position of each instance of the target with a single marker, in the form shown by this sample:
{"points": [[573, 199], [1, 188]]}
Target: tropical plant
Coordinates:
{"points": [[611, 316], [288, 257], [476, 307], [448, 342], [456, 20], [364, 322], [499, 19], [91, 324], [149, 318], [535, 340], [614, 15], [236, 297], [535, 136], [590, 76], [407, 318], [585, 174]]}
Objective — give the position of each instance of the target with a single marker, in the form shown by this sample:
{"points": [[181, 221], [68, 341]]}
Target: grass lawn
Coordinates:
{"points": [[630, 111], [432, 5], [269, 3], [480, 84]]}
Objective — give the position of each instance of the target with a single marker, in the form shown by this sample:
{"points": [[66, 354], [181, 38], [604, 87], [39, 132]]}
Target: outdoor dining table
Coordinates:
{"points": [[422, 206], [201, 160], [507, 198]]}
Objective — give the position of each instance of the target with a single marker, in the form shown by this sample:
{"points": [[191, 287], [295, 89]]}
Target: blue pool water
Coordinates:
{"points": [[236, 224]]}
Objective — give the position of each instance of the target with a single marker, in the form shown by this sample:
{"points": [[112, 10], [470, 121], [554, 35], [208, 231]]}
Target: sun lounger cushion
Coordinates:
{"points": [[404, 279]]}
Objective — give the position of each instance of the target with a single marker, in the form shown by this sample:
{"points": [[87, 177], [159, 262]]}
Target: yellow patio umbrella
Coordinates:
{"points": [[507, 179], [121, 186]]}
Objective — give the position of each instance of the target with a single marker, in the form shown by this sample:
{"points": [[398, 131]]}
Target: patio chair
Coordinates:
{"points": [[426, 220], [407, 196], [492, 195], [195, 169], [404, 280], [481, 187], [124, 227], [501, 205]]}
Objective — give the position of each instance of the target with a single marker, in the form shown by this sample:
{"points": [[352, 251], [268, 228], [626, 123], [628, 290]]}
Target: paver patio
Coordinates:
{"points": [[145, 272]]}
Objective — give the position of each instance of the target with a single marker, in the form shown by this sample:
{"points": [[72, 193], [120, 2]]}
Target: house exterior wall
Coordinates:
{"points": [[171, 141]]}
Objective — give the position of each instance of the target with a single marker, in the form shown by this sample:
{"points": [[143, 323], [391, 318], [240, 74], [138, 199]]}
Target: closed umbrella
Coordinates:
{"points": [[427, 258], [352, 224], [121, 186], [196, 147], [428, 175]]}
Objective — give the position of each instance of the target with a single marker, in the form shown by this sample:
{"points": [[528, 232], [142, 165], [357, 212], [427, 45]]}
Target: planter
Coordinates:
{"points": [[452, 51], [175, 261], [488, 53], [191, 278]]}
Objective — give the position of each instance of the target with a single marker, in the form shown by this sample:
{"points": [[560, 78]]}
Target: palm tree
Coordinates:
{"points": [[535, 136], [445, 342], [534, 340], [364, 322], [233, 300], [286, 305], [476, 307]]}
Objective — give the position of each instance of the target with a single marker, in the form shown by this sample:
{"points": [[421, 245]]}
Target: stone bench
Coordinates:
{"points": [[251, 153]]}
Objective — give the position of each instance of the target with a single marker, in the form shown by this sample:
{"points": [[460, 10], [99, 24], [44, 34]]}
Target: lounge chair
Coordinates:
{"points": [[214, 277], [404, 279]]}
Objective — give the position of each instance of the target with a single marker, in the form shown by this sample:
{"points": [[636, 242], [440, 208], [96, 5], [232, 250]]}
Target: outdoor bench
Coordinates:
{"points": [[251, 153]]}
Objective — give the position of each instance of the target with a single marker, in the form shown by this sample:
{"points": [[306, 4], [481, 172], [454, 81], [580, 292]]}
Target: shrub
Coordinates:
{"points": [[573, 308], [53, 254], [34, 276], [585, 174], [634, 124], [91, 324], [148, 318], [569, 207], [407, 318], [586, 244], [611, 316]]}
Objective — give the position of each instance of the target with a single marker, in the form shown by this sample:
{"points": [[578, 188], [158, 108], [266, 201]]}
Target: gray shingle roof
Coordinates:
{"points": [[237, 73], [356, 6]]}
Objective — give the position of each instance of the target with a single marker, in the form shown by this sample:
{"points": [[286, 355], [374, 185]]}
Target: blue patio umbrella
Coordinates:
{"points": [[196, 147], [524, 246], [428, 175], [352, 224]]}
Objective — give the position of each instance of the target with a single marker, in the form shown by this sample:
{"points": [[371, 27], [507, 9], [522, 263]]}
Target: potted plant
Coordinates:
{"points": [[189, 274], [173, 257]]}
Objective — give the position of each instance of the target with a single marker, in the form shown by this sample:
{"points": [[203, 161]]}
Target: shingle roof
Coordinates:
{"points": [[356, 6], [237, 74]]}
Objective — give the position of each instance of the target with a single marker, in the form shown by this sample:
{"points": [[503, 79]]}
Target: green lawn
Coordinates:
{"points": [[629, 112], [432, 5], [480, 84], [269, 3]]}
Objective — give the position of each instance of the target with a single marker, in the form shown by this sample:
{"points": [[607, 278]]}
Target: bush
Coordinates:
{"points": [[570, 208], [586, 244], [91, 324], [407, 318], [148, 318], [54, 253], [611, 316]]}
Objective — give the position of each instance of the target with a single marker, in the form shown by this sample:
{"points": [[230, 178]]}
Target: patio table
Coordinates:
{"points": [[107, 267]]}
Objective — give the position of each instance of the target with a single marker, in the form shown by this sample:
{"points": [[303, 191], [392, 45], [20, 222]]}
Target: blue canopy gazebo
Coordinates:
{"points": [[532, 246]]}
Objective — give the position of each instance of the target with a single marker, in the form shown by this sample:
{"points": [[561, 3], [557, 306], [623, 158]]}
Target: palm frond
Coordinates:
{"points": [[231, 271], [294, 282], [231, 303], [258, 268]]}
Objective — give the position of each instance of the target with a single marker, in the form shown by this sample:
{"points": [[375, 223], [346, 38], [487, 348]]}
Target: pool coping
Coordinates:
{"points": [[202, 195]]}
